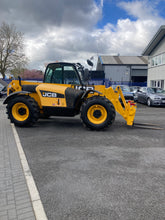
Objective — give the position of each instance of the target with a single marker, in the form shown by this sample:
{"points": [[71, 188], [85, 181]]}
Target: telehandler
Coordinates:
{"points": [[64, 93]]}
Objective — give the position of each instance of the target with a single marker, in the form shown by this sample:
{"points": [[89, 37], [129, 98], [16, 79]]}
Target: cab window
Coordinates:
{"points": [[48, 75], [53, 75], [57, 76], [61, 74], [70, 75]]}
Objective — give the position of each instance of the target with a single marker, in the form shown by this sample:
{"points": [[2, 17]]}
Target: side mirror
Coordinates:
{"points": [[90, 63]]}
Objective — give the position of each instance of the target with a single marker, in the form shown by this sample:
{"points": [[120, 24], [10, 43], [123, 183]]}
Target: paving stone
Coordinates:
{"points": [[24, 216], [12, 213], [15, 202]]}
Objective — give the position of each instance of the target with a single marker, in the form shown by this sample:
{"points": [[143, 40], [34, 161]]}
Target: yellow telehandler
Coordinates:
{"points": [[64, 93]]}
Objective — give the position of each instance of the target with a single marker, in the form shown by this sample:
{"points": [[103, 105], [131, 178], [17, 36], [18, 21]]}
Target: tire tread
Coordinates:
{"points": [[96, 99], [34, 113]]}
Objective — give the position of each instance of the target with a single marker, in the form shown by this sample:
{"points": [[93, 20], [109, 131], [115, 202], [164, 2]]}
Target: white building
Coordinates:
{"points": [[156, 52]]}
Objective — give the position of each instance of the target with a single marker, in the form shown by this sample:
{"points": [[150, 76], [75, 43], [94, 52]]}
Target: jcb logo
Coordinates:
{"points": [[84, 87], [49, 94]]}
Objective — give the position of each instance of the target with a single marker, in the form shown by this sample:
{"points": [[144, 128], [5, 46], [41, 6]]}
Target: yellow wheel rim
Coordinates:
{"points": [[97, 114], [20, 111]]}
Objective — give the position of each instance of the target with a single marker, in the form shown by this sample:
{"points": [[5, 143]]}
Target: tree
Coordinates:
{"points": [[32, 74], [18, 71], [11, 48]]}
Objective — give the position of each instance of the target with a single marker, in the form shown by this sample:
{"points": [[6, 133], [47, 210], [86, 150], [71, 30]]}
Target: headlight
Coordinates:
{"points": [[157, 98]]}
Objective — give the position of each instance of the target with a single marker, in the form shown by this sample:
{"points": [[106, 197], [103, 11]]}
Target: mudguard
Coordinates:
{"points": [[12, 95]]}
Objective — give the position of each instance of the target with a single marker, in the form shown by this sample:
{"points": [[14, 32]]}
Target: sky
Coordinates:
{"points": [[76, 30]]}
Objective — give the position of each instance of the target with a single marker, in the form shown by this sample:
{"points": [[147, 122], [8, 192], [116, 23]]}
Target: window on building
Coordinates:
{"points": [[162, 84], [152, 61], [152, 83], [158, 84], [157, 60], [163, 58]]}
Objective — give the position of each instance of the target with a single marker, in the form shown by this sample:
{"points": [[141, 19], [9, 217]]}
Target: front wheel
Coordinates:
{"points": [[23, 110], [97, 113], [149, 103]]}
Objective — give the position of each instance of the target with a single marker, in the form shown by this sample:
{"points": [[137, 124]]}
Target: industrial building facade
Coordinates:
{"points": [[130, 70], [156, 53]]}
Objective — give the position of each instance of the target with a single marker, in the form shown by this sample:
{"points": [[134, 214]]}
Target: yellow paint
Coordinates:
{"points": [[52, 102], [91, 116], [127, 112], [20, 111]]}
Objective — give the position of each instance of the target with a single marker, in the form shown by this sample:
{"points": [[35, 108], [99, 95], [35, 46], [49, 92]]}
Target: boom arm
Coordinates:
{"points": [[128, 110]]}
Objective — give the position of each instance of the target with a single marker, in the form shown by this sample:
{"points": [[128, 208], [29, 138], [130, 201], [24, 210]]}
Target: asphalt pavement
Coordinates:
{"points": [[114, 174]]}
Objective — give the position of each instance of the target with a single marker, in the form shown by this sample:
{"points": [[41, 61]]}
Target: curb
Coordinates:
{"points": [[34, 194]]}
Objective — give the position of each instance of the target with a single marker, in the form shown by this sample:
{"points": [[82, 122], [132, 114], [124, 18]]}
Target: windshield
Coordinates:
{"points": [[125, 88], [158, 90], [150, 90], [61, 73]]}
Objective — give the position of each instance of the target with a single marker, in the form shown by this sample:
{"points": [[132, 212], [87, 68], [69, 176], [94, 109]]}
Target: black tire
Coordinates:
{"points": [[97, 113], [149, 102], [23, 110]]}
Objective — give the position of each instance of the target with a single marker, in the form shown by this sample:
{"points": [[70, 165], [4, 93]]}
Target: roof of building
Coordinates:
{"points": [[123, 60], [155, 40]]}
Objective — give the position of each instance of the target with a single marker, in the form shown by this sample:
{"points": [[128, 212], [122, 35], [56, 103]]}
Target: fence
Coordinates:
{"points": [[109, 83], [105, 82]]}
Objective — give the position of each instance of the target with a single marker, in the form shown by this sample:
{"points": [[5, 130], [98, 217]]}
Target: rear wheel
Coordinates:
{"points": [[97, 113], [23, 110]]}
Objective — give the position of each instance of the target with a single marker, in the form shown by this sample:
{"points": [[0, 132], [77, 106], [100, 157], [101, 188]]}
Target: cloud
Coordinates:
{"points": [[130, 37], [54, 29], [66, 30], [61, 44], [40, 14], [139, 9]]}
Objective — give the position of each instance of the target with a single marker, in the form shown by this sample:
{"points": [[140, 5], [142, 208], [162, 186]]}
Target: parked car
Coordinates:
{"points": [[134, 90], [1, 86], [128, 95], [158, 90], [148, 96], [3, 92]]}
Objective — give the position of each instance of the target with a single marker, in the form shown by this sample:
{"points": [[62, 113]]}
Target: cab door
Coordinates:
{"points": [[62, 74], [70, 76]]}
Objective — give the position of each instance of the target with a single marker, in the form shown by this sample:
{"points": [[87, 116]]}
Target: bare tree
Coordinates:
{"points": [[11, 48], [17, 71]]}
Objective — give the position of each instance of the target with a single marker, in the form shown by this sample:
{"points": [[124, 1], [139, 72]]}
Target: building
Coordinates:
{"points": [[96, 77], [155, 50], [129, 70]]}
